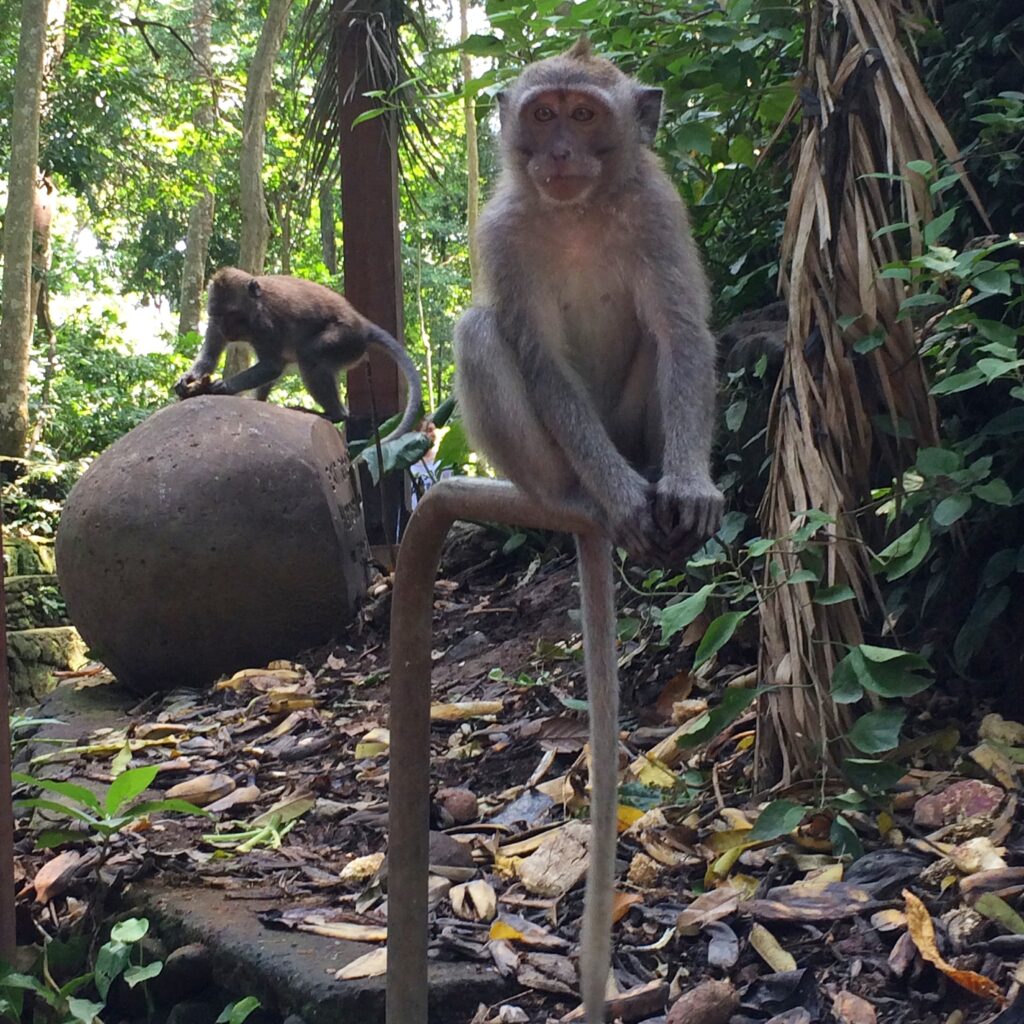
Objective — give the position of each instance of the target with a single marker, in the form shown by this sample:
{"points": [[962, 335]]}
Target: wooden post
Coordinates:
{"points": [[372, 249], [7, 936]]}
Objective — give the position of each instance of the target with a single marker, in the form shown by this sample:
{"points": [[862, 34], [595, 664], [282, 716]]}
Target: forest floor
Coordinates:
{"points": [[712, 925]]}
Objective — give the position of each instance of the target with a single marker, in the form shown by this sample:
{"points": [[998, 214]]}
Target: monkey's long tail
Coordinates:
{"points": [[379, 337], [598, 599]]}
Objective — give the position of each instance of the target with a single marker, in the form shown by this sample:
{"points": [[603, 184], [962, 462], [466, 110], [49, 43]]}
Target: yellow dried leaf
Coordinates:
{"points": [[502, 930], [769, 950], [362, 868], [462, 710], [370, 965], [654, 773], [345, 930], [627, 816], [922, 932]]}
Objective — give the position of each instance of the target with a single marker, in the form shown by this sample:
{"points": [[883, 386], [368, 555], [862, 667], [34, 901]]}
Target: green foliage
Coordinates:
{"points": [[103, 817]]}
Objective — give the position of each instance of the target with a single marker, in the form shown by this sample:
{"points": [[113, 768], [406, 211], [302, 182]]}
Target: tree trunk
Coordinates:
{"points": [[41, 260], [871, 117], [328, 238], [424, 333], [255, 232], [16, 325], [472, 149], [200, 218]]}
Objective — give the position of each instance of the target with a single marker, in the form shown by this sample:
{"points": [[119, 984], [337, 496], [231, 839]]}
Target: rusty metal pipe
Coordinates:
{"points": [[409, 777]]}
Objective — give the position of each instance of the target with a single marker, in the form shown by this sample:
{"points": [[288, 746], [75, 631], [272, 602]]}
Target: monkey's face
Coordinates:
{"points": [[564, 140]]}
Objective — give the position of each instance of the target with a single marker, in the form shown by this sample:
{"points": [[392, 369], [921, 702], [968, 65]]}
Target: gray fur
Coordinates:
{"points": [[586, 370], [292, 320]]}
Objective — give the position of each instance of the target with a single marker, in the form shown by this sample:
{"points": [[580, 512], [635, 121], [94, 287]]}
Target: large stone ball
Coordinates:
{"points": [[219, 534]]}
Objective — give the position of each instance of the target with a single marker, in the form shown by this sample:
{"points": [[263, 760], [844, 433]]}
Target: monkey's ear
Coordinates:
{"points": [[582, 49], [501, 98], [254, 288], [648, 113]]}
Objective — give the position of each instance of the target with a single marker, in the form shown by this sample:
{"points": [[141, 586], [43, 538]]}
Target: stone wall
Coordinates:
{"points": [[40, 639]]}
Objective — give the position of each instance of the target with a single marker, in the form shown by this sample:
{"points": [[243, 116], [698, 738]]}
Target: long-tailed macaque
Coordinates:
{"points": [[290, 320], [586, 370]]}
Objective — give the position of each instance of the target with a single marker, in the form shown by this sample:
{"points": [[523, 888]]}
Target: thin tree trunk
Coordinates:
{"points": [[328, 238], [16, 325], [41, 260], [424, 334], [255, 232], [472, 149], [200, 218]]}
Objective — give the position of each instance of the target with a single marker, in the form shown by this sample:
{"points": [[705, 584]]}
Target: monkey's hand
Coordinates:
{"points": [[630, 521], [191, 384], [687, 511]]}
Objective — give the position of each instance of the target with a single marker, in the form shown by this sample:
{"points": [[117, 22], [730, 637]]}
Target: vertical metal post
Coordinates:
{"points": [[7, 936], [409, 773]]}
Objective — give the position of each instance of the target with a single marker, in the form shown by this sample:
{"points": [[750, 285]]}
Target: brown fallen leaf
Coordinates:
{"points": [[559, 863], [202, 790], [709, 906], [55, 875], [711, 1002], [621, 902], [852, 1009], [547, 972], [637, 1003], [236, 798], [922, 931], [795, 903]]}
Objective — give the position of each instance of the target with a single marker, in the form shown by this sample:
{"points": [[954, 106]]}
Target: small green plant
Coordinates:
{"points": [[121, 956], [103, 817]]}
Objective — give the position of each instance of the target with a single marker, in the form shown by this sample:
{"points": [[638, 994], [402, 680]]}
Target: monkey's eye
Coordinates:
{"points": [[582, 114], [544, 114]]}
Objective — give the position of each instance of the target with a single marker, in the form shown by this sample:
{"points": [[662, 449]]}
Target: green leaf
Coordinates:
{"points": [[995, 908], [154, 806], [905, 553], [935, 229], [845, 841], [846, 687], [111, 960], [479, 45], [834, 595], [938, 462], [959, 382], [718, 634], [129, 785], [51, 837], [139, 973], [84, 1011], [995, 492], [79, 794], [399, 453], [57, 808], [993, 282], [872, 776], [950, 509], [708, 725], [236, 1013], [802, 576], [676, 617], [921, 166], [735, 413], [779, 818], [132, 929], [878, 731], [454, 449]]}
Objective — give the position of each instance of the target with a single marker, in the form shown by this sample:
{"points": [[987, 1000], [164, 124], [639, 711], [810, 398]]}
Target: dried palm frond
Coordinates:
{"points": [[389, 68], [865, 112]]}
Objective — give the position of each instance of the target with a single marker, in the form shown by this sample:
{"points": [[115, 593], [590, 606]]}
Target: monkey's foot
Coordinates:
{"points": [[189, 387]]}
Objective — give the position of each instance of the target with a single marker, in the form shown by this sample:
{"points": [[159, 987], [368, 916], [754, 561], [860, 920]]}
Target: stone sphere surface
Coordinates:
{"points": [[218, 534]]}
